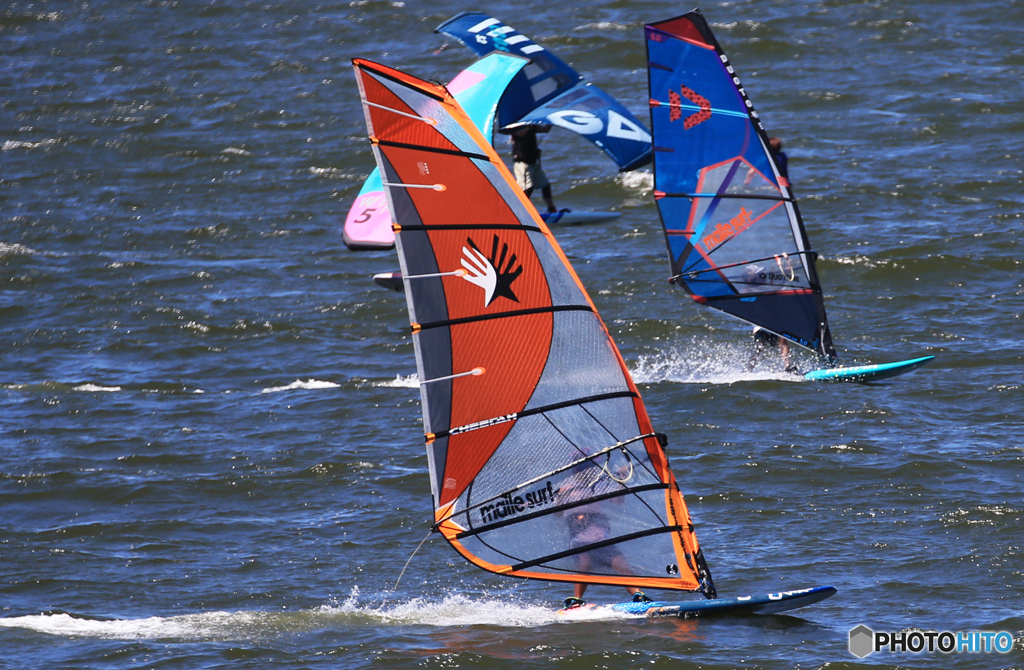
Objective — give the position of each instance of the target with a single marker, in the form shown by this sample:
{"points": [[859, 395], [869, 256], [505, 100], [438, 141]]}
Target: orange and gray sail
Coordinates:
{"points": [[543, 462], [735, 237]]}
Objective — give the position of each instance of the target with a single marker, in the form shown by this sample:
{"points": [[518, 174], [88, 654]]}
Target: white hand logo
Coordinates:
{"points": [[480, 272]]}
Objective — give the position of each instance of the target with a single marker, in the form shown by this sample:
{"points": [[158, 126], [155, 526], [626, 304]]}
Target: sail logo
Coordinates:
{"points": [[509, 505], [502, 40], [675, 103], [726, 231], [484, 424], [864, 641], [587, 123], [494, 274]]}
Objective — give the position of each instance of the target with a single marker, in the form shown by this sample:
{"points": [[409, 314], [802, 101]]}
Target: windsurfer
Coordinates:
{"points": [[588, 524], [781, 160], [526, 163], [765, 341]]}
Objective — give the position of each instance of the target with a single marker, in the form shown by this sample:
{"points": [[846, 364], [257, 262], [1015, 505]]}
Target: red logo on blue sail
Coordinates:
{"points": [[675, 104]]}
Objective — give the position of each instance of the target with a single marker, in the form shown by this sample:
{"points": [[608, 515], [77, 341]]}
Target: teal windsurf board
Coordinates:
{"points": [[867, 373], [772, 603]]}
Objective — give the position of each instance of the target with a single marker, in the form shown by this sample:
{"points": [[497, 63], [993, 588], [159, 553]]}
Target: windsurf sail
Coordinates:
{"points": [[549, 92], [735, 237], [543, 462], [478, 89]]}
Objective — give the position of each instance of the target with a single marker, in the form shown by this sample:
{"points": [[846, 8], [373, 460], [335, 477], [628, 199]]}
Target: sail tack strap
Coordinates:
{"points": [[417, 327], [618, 445], [596, 545], [436, 187], [513, 416], [475, 372], [454, 273], [559, 508], [425, 119]]}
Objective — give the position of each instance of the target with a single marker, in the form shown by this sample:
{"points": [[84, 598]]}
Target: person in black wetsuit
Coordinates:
{"points": [[781, 159], [588, 524], [766, 341], [526, 163]]}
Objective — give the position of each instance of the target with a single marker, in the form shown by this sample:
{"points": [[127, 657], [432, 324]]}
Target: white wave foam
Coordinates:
{"points": [[454, 610], [309, 384], [19, 144], [603, 25], [191, 626], [95, 388], [399, 382], [637, 180], [706, 363], [14, 249]]}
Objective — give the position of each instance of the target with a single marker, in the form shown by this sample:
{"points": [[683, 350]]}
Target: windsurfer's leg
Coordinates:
{"points": [[528, 192], [548, 200]]}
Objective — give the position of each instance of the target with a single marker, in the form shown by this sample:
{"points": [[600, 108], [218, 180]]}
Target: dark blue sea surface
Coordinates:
{"points": [[211, 451]]}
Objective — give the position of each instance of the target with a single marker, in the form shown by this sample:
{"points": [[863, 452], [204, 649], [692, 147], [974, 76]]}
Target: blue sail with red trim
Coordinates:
{"points": [[549, 92], [735, 237]]}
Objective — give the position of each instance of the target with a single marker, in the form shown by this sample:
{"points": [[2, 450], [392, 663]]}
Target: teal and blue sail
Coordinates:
{"points": [[735, 237], [549, 92]]}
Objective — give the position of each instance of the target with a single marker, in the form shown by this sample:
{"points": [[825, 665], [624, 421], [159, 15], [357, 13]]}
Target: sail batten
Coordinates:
{"points": [[504, 315], [735, 238], [536, 437]]}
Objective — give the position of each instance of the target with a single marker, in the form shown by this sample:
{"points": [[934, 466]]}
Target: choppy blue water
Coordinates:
{"points": [[211, 452]]}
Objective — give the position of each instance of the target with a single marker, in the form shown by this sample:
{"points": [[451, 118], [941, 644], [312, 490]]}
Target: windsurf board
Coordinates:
{"points": [[772, 603], [867, 373]]}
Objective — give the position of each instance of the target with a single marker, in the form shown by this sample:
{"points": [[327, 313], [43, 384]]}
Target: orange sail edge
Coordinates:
{"points": [[667, 583], [684, 582]]}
